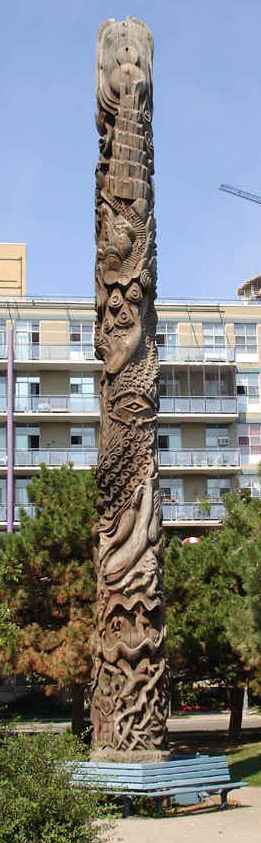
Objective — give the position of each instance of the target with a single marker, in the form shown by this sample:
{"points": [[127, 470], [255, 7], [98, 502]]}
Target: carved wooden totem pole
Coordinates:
{"points": [[129, 693]]}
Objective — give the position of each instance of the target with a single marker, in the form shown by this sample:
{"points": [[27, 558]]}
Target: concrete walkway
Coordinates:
{"points": [[238, 825], [211, 722]]}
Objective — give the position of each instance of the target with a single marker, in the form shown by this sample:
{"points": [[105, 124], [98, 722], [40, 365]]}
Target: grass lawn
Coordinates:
{"points": [[245, 763]]}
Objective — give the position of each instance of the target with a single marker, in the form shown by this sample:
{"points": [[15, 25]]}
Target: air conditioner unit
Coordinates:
{"points": [[223, 441]]}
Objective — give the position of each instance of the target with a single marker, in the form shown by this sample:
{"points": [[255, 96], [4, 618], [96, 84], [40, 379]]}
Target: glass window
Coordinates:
{"points": [[27, 438], [171, 490], [245, 336], [166, 333], [83, 437], [213, 334], [169, 438], [251, 482], [217, 487], [81, 333], [82, 385], [217, 437], [21, 486], [247, 387]]}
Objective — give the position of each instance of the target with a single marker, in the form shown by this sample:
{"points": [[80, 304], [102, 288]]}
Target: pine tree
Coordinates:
{"points": [[211, 633], [49, 584]]}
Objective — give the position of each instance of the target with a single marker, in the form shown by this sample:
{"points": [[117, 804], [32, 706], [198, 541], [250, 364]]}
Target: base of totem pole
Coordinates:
{"points": [[141, 756]]}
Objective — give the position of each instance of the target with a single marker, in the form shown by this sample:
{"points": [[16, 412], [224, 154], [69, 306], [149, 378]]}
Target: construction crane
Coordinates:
{"points": [[243, 194]]}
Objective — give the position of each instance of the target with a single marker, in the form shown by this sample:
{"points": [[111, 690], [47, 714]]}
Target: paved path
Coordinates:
{"points": [[211, 722], [241, 825], [184, 723]]}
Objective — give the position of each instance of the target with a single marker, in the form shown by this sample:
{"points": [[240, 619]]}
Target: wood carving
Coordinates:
{"points": [[129, 704]]}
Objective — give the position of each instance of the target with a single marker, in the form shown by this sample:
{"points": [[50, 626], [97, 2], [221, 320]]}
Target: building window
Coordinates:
{"points": [[27, 438], [26, 390], [83, 437], [170, 384], [247, 388], [82, 385], [217, 437], [28, 339], [213, 335], [2, 338], [166, 334], [81, 333], [171, 490], [251, 482], [21, 494], [169, 438], [245, 337], [217, 487]]}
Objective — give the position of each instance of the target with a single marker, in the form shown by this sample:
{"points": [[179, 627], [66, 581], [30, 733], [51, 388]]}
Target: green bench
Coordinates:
{"points": [[184, 781]]}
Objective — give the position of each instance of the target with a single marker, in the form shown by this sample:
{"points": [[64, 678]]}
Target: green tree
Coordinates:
{"points": [[49, 584], [209, 617]]}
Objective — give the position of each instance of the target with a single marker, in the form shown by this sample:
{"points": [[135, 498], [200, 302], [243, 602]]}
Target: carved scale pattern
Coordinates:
{"points": [[129, 704]]}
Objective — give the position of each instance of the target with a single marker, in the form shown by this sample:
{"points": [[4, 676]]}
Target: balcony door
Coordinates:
{"points": [[27, 438], [27, 340], [27, 390]]}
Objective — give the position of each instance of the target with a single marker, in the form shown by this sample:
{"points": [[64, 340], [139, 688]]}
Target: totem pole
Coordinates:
{"points": [[129, 705]]}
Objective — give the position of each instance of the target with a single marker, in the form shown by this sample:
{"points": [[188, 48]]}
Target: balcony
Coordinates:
{"points": [[200, 458], [49, 356], [3, 513], [29, 508], [3, 458], [52, 353], [192, 512], [196, 354], [42, 404], [80, 457], [199, 406]]}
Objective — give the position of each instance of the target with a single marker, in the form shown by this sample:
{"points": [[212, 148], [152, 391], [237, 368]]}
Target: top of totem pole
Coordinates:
{"points": [[124, 63], [124, 60]]}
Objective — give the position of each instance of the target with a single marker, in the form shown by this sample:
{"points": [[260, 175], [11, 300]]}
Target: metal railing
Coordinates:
{"points": [[83, 457], [57, 404], [196, 354], [39, 351], [189, 405], [29, 508], [192, 512], [3, 512], [200, 457], [3, 457]]}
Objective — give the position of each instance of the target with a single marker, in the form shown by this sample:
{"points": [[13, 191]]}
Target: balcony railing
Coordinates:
{"points": [[196, 354], [200, 458], [192, 512], [3, 457], [57, 404], [83, 457], [29, 508], [36, 351], [3, 512], [189, 405]]}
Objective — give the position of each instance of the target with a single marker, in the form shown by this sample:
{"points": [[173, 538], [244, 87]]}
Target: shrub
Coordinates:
{"points": [[37, 805]]}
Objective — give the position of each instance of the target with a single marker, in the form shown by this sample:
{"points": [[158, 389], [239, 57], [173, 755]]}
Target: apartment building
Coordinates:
{"points": [[209, 435]]}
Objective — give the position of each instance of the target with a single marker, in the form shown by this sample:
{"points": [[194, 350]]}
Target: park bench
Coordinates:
{"points": [[185, 780]]}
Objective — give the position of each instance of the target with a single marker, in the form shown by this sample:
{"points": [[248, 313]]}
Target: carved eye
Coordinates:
{"points": [[115, 300], [134, 292]]}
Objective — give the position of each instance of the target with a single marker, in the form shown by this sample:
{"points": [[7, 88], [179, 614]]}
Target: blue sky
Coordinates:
{"points": [[207, 129]]}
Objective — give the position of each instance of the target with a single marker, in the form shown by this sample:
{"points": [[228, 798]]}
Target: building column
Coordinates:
{"points": [[10, 430]]}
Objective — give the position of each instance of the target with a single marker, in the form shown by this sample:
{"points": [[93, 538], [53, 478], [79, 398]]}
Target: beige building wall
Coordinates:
{"points": [[12, 269]]}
